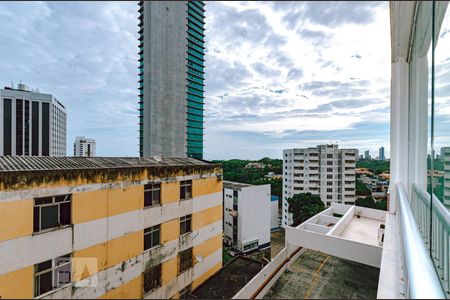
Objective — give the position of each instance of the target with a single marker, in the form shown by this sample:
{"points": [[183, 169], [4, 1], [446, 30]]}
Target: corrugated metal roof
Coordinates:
{"points": [[43, 163]]}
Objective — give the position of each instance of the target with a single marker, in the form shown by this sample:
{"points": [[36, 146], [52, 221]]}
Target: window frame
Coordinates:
{"points": [[152, 188], [156, 273], [189, 263], [150, 232], [185, 185], [37, 228], [52, 269], [184, 221]]}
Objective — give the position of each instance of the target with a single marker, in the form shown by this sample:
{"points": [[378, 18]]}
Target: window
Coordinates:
{"points": [[329, 169], [184, 293], [185, 224], [329, 176], [186, 189], [329, 196], [329, 190], [51, 212], [184, 260], [152, 194], [151, 236], [250, 246], [152, 278], [329, 183], [329, 155], [51, 274], [329, 163]]}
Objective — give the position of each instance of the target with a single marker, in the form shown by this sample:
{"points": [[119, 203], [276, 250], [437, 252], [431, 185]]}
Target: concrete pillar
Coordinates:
{"points": [[399, 127]]}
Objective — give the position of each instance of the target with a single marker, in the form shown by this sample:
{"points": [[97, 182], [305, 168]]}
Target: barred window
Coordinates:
{"points": [[185, 224], [51, 274], [152, 236], [51, 212], [152, 278], [152, 194], [184, 260], [186, 189]]}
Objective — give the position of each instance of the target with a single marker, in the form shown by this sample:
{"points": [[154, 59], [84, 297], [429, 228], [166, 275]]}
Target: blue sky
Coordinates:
{"points": [[279, 75]]}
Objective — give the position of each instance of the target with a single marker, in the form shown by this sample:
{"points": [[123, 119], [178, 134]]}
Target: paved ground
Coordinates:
{"points": [[229, 280], [276, 241], [316, 275]]}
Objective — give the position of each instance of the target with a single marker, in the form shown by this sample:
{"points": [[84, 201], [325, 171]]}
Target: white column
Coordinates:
{"points": [[418, 122], [399, 126]]}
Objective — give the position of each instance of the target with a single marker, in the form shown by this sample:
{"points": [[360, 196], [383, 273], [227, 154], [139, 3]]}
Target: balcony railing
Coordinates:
{"points": [[420, 274]]}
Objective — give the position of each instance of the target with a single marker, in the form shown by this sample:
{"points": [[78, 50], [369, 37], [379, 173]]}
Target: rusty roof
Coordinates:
{"points": [[45, 163]]}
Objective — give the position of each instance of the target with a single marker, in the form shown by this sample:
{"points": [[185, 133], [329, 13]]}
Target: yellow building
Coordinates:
{"points": [[108, 227]]}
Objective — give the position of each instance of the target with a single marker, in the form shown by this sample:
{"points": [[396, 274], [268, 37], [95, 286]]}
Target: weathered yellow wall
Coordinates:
{"points": [[206, 275], [207, 216], [98, 252], [88, 206], [206, 186], [125, 247], [169, 270], [16, 219], [130, 290], [125, 200], [170, 231], [17, 284], [170, 192], [209, 246]]}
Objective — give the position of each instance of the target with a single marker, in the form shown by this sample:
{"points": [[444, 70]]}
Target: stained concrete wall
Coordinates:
{"points": [[165, 26]]}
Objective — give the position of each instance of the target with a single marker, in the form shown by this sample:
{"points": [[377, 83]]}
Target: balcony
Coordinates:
{"points": [[408, 246]]}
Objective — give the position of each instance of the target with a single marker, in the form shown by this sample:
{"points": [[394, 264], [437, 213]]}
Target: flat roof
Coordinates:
{"points": [[363, 230], [45, 163], [229, 280], [316, 275], [235, 185]]}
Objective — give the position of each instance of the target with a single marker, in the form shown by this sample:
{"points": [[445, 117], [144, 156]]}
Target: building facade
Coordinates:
{"points": [[108, 227], [381, 154], [367, 155], [171, 78], [445, 156], [84, 147], [247, 216], [324, 170], [274, 214], [32, 123]]}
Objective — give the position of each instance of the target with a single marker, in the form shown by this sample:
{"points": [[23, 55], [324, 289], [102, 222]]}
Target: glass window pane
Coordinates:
{"points": [[49, 217], [44, 283], [65, 218]]}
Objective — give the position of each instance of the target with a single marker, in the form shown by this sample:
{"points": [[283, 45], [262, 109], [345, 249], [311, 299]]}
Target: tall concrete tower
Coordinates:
{"points": [[171, 78]]}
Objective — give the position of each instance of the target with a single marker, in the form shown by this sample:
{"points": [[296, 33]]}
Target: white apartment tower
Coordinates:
{"points": [[324, 170], [84, 147], [246, 216], [445, 156], [31, 123]]}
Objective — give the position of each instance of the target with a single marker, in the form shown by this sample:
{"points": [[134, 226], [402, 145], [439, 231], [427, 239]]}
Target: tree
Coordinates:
{"points": [[370, 203], [304, 206], [361, 189]]}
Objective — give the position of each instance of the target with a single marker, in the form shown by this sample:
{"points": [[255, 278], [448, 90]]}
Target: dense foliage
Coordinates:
{"points": [[370, 203], [304, 206], [375, 166], [235, 170], [362, 189]]}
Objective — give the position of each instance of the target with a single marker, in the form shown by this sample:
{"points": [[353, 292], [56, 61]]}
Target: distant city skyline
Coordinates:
{"points": [[279, 75]]}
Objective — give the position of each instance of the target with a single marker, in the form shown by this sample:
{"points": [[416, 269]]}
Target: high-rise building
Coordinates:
{"points": [[111, 227], [84, 147], [32, 123], [171, 78], [381, 154], [367, 155], [445, 156], [324, 170]]}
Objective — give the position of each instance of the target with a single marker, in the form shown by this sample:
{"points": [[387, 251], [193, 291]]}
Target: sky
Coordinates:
{"points": [[278, 74]]}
